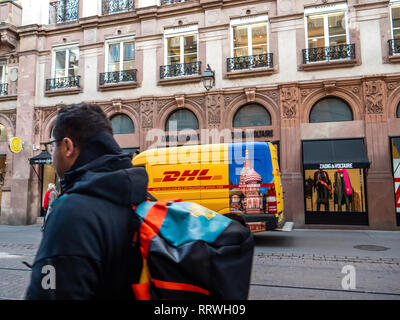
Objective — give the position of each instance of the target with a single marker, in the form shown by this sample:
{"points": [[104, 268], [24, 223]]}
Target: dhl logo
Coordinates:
{"points": [[187, 175]]}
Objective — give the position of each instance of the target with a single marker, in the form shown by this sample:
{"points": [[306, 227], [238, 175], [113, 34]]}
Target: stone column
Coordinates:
{"points": [[380, 188], [22, 212], [146, 122], [292, 176]]}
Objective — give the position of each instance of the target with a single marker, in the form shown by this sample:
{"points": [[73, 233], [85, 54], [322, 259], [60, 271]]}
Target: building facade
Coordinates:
{"points": [[319, 78]]}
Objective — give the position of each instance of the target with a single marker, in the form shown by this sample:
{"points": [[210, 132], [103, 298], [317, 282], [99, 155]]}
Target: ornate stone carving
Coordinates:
{"points": [[200, 101], [147, 113], [117, 106], [180, 100], [229, 98], [289, 102], [214, 109], [250, 94], [305, 93], [329, 86], [374, 97], [392, 85], [11, 115], [162, 103], [273, 94], [13, 59], [9, 39]]}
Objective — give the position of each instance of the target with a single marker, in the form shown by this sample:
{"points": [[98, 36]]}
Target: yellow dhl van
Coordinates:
{"points": [[239, 179]]}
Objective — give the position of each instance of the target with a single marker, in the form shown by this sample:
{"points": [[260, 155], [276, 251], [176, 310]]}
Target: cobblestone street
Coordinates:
{"points": [[302, 264], [17, 244]]}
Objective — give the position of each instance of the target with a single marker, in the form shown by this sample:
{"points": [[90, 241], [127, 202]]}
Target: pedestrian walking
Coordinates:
{"points": [[86, 249], [46, 200], [52, 196]]}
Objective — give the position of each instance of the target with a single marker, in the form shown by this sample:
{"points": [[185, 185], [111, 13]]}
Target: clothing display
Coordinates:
{"points": [[308, 191], [323, 185], [343, 190]]}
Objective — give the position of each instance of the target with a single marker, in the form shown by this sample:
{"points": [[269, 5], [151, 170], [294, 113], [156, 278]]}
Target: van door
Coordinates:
{"points": [[215, 179], [176, 175]]}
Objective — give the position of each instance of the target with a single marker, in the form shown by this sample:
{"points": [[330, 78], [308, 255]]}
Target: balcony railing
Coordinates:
{"points": [[114, 6], [394, 46], [117, 77], [180, 69], [250, 62], [62, 83], [164, 2], [343, 51], [3, 89], [63, 11]]}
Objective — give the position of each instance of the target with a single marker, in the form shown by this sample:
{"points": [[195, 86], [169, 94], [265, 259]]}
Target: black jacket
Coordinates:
{"points": [[87, 238]]}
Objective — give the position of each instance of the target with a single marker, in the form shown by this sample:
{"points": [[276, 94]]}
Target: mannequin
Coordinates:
{"points": [[308, 192], [343, 190], [323, 186]]}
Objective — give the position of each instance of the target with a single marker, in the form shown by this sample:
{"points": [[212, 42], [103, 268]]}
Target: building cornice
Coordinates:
{"points": [[371, 5]]}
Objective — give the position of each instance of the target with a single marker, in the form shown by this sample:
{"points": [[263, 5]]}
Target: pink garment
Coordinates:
{"points": [[347, 184]]}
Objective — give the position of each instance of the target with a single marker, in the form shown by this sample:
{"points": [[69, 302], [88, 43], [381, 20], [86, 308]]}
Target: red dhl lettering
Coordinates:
{"points": [[187, 175]]}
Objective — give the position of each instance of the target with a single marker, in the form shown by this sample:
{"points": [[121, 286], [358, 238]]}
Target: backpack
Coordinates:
{"points": [[191, 252]]}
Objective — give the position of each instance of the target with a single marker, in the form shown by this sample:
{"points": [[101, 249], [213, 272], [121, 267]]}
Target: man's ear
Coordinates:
{"points": [[71, 150]]}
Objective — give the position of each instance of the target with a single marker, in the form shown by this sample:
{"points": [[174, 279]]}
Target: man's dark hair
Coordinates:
{"points": [[81, 122]]}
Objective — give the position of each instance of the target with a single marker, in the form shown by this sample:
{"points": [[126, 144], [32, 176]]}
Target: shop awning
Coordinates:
{"points": [[335, 154], [396, 142], [43, 158]]}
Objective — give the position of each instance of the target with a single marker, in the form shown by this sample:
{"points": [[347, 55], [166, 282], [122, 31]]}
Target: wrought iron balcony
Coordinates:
{"points": [[250, 62], [62, 83], [343, 51], [394, 46], [164, 2], [63, 11], [180, 69], [117, 77], [114, 6], [3, 89]]}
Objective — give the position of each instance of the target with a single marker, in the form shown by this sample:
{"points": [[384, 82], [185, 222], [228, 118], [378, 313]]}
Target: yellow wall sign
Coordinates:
{"points": [[15, 144]]}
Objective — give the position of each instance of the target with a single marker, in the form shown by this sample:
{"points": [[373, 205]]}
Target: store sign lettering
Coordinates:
{"points": [[257, 134], [336, 165]]}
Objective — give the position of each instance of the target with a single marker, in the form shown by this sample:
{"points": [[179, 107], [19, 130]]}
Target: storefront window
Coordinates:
{"points": [[337, 190], [122, 124], [395, 146], [330, 110], [3, 133], [334, 182], [181, 120], [252, 115]]}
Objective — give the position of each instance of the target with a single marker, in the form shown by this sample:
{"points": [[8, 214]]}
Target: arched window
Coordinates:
{"points": [[252, 115], [3, 133], [122, 124], [329, 110], [181, 120], [398, 110]]}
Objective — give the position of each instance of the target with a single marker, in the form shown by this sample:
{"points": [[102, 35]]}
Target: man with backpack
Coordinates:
{"points": [[86, 251]]}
